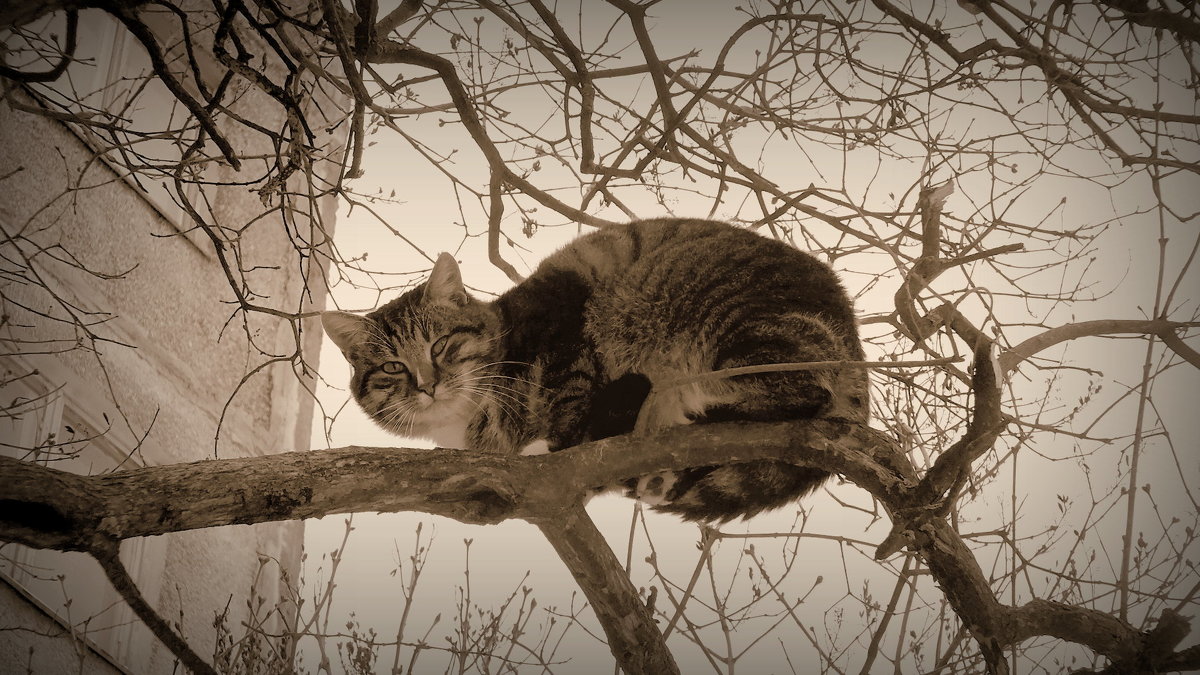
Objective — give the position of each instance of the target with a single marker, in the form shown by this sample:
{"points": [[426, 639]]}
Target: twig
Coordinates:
{"points": [[725, 373], [145, 36]]}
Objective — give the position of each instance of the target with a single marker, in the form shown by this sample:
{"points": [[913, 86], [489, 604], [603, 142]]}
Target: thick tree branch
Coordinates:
{"points": [[985, 426], [406, 10], [1139, 12], [90, 512], [44, 507], [47, 508], [633, 638], [1177, 345], [20, 12]]}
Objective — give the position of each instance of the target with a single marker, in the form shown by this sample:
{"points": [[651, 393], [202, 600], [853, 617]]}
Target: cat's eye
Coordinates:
{"points": [[393, 367], [439, 346]]}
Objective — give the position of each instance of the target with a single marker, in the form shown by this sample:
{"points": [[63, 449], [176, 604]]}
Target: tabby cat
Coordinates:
{"points": [[571, 353]]}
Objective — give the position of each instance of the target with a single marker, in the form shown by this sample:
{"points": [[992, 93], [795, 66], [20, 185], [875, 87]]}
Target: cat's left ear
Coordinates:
{"points": [[344, 328], [445, 284]]}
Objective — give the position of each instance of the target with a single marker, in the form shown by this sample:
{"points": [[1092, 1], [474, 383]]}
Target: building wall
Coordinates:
{"points": [[33, 641], [157, 389]]}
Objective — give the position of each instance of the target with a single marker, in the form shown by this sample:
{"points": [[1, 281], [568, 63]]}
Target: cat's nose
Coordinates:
{"points": [[426, 377]]}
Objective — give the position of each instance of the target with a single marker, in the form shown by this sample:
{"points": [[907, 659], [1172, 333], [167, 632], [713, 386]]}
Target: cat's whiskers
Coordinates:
{"points": [[482, 398], [515, 395], [483, 394], [510, 400], [392, 416], [489, 379], [495, 388], [511, 406], [504, 377], [400, 415], [478, 404], [490, 396], [489, 364]]}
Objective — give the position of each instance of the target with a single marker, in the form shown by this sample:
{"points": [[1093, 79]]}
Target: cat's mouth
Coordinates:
{"points": [[443, 417], [439, 397], [445, 403]]}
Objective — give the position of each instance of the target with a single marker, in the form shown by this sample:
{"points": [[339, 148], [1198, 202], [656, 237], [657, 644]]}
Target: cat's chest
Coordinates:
{"points": [[449, 435]]}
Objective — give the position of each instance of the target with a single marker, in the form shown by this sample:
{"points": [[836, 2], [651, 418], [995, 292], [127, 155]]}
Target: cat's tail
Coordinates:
{"points": [[722, 493]]}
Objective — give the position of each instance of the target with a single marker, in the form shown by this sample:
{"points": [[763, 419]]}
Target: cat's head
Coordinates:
{"points": [[421, 360]]}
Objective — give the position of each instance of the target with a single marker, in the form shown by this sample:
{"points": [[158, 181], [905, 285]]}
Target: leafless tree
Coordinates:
{"points": [[969, 169]]}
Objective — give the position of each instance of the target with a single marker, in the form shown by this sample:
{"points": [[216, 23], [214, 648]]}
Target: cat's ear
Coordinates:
{"points": [[344, 328], [445, 284]]}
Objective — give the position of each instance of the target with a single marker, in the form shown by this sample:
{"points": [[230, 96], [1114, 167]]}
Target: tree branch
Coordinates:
{"points": [[985, 426], [1013, 357], [391, 52], [47, 508], [633, 638], [108, 555], [68, 55], [20, 12], [144, 35], [406, 10]]}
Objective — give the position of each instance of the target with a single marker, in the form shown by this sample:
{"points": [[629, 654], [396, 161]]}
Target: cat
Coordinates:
{"points": [[572, 353]]}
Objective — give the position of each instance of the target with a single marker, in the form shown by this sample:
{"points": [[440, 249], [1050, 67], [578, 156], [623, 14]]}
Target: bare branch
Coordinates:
{"points": [[1011, 358], [68, 54], [406, 10], [1178, 346], [108, 555], [144, 35], [633, 637]]}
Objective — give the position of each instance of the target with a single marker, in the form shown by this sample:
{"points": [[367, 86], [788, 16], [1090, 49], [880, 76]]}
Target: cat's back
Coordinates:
{"points": [[684, 270], [662, 248]]}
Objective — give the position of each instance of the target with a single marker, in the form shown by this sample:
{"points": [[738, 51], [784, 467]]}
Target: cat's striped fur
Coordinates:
{"points": [[570, 354]]}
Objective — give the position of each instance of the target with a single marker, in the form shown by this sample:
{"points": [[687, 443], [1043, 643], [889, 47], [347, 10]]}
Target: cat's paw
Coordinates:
{"points": [[654, 488], [538, 447]]}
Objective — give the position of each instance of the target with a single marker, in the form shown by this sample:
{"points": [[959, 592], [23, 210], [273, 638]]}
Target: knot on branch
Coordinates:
{"points": [[909, 526], [473, 500], [283, 503], [45, 508], [34, 516]]}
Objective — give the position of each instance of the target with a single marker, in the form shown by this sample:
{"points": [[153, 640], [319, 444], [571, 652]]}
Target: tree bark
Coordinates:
{"points": [[633, 637], [47, 508]]}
